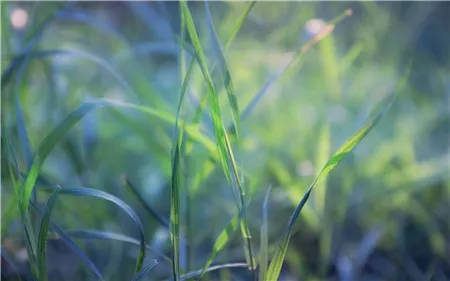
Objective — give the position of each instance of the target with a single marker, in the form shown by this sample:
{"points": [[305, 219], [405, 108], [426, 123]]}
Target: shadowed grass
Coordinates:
{"points": [[71, 244], [90, 192]]}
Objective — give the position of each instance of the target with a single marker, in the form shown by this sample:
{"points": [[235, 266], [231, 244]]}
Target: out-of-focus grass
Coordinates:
{"points": [[382, 214]]}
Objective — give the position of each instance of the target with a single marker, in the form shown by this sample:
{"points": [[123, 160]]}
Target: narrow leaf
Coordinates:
{"points": [[264, 239], [145, 270], [43, 231], [106, 235], [90, 192], [71, 244], [224, 72], [220, 242], [144, 204]]}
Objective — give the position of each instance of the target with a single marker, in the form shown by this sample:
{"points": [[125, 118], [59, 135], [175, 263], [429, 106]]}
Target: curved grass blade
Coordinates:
{"points": [[225, 72], [145, 270], [91, 192], [43, 231], [336, 158], [46, 146], [72, 245], [78, 54], [264, 239], [106, 235], [144, 204], [226, 155], [220, 242], [195, 273]]}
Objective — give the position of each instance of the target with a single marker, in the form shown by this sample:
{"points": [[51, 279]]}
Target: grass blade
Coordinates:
{"points": [[90, 192], [43, 231], [145, 270], [76, 54], [225, 72], [26, 221], [220, 242], [71, 244], [239, 24], [175, 211], [264, 239], [336, 158], [236, 28], [225, 152], [45, 148], [195, 273], [144, 204], [106, 235]]}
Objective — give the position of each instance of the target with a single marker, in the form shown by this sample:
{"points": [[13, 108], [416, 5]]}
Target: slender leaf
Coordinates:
{"points": [[336, 158], [175, 211], [145, 270], [90, 192], [225, 72], [144, 204], [76, 54], [264, 239], [220, 242], [45, 148], [239, 24], [236, 28], [43, 231], [226, 155], [71, 244], [105, 235], [195, 273]]}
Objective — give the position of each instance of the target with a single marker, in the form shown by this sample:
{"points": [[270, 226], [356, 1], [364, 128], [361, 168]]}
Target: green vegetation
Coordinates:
{"points": [[200, 121]]}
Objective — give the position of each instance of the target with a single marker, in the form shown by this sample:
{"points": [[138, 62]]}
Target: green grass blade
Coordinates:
{"points": [[225, 152], [225, 73], [336, 158], [264, 239], [106, 235], [26, 221], [145, 270], [195, 273], [236, 28], [90, 192], [43, 231], [21, 129], [239, 24], [144, 204], [76, 54], [175, 211], [220, 242], [45, 148], [71, 244]]}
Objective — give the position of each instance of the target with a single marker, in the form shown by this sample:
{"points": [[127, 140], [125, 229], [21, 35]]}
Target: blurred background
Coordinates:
{"points": [[382, 214]]}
